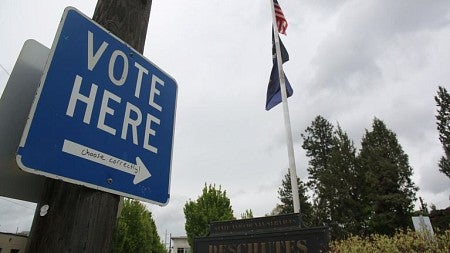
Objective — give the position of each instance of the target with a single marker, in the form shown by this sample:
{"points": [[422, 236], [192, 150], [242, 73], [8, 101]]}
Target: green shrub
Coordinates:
{"points": [[408, 241]]}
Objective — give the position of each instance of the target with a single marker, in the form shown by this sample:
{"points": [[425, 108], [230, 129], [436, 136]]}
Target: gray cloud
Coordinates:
{"points": [[16, 215], [349, 57]]}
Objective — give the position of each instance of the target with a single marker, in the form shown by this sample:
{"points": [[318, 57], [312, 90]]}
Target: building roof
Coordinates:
{"points": [[12, 234], [179, 237]]}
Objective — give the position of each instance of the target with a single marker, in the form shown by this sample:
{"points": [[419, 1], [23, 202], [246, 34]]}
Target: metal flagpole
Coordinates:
{"points": [[287, 120]]}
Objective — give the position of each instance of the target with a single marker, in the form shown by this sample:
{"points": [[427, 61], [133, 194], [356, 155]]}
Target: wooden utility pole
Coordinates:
{"points": [[81, 219]]}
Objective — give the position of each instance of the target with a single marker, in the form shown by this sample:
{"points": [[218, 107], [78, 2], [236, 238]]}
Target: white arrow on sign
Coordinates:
{"points": [[139, 170]]}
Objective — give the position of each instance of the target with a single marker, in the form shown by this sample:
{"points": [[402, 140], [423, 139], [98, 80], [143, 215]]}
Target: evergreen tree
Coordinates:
{"points": [[443, 125], [136, 230], [343, 189], [318, 144], [333, 178], [287, 205], [388, 193], [440, 219], [212, 205]]}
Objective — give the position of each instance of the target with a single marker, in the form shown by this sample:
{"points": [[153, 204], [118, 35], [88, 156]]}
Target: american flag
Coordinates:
{"points": [[281, 21]]}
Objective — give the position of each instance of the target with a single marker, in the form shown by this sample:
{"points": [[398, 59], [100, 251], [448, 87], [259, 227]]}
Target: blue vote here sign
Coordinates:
{"points": [[103, 115]]}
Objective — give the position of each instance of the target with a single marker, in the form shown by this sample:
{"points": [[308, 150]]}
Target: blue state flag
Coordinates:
{"points": [[273, 89]]}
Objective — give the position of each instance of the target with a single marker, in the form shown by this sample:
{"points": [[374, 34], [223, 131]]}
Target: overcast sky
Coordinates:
{"points": [[350, 61]]}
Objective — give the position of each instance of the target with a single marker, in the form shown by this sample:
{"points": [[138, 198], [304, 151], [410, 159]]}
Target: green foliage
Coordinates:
{"points": [[388, 193], [136, 230], [371, 192], [287, 205], [440, 219], [333, 178], [212, 205], [344, 199], [443, 125], [248, 214], [318, 144], [400, 242]]}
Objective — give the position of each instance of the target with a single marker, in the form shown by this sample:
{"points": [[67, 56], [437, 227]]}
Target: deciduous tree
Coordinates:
{"points": [[248, 214], [212, 205], [136, 230]]}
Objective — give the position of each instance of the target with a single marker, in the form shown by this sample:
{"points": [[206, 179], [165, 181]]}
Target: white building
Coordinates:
{"points": [[12, 243], [179, 244]]}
